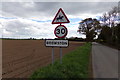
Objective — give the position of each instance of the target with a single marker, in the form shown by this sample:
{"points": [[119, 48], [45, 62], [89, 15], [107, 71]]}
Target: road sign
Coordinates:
{"points": [[60, 31], [60, 17], [56, 43]]}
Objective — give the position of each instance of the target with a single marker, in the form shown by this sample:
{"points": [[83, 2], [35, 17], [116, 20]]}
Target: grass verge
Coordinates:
{"points": [[74, 65]]}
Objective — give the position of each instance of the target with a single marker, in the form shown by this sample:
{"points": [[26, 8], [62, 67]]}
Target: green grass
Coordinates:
{"points": [[74, 65]]}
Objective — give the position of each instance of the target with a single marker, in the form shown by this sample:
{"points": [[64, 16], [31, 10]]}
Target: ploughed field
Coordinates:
{"points": [[20, 58]]}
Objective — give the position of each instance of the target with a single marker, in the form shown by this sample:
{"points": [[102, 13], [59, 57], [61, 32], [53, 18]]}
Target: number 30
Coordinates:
{"points": [[60, 31]]}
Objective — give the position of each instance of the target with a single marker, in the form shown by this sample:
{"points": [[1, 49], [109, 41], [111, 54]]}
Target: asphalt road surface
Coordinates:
{"points": [[0, 59], [105, 61]]}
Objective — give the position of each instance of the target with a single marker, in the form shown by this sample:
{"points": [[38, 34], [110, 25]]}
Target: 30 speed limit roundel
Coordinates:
{"points": [[60, 31]]}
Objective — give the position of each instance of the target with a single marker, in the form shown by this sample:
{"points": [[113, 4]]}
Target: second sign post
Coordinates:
{"points": [[60, 31]]}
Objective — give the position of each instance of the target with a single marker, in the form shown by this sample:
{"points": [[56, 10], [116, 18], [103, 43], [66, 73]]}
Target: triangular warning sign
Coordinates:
{"points": [[60, 18]]}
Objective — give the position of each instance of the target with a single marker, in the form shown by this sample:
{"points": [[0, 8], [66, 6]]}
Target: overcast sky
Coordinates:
{"points": [[33, 19]]}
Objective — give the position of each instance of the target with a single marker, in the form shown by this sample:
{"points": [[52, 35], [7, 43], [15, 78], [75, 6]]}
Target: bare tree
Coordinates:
{"points": [[112, 17]]}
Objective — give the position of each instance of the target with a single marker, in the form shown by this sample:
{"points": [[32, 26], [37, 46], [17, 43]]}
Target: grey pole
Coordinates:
{"points": [[60, 55], [52, 55]]}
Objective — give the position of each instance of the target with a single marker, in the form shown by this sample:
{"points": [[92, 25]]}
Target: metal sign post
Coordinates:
{"points": [[60, 55], [56, 43], [52, 55]]}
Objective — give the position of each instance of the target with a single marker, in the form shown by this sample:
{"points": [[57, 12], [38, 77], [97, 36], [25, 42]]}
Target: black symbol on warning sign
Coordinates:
{"points": [[60, 18]]}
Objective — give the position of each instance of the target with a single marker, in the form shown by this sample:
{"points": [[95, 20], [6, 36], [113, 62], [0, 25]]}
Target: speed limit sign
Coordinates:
{"points": [[60, 31]]}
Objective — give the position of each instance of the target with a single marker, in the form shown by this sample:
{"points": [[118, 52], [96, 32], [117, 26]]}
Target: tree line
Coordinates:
{"points": [[107, 28]]}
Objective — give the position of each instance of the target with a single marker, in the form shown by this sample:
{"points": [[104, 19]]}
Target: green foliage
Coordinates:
{"points": [[105, 34], [118, 35], [88, 26], [110, 35], [74, 65]]}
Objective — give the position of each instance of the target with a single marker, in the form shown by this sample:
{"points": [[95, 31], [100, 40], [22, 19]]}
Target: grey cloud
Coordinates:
{"points": [[48, 9], [16, 9], [17, 28], [88, 7]]}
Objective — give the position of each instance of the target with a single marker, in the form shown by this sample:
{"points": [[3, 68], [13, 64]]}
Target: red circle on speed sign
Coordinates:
{"points": [[60, 31]]}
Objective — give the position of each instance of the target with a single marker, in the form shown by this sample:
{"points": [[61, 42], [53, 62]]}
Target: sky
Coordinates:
{"points": [[25, 19]]}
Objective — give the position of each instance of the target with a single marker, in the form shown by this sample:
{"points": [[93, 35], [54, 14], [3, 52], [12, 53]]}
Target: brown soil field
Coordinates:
{"points": [[20, 58]]}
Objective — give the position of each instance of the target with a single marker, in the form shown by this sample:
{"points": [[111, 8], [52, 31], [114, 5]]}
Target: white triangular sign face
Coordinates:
{"points": [[60, 18]]}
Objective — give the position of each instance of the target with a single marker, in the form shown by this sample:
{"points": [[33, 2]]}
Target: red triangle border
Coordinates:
{"points": [[56, 17]]}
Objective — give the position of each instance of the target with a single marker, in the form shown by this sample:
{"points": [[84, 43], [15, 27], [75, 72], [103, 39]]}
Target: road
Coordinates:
{"points": [[104, 61], [0, 59]]}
